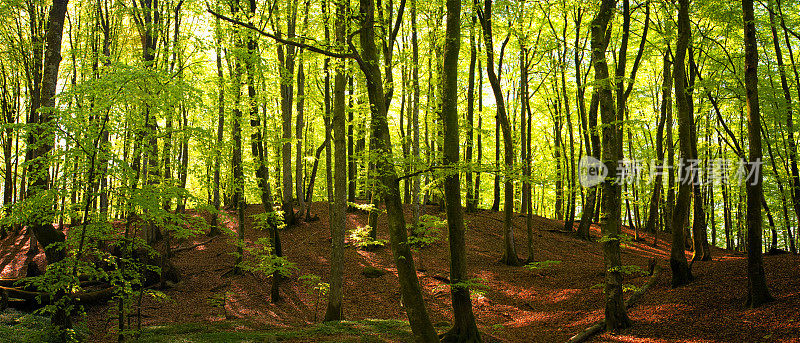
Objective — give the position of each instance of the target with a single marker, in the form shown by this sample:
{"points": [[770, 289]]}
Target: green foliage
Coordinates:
{"points": [[368, 330], [316, 288], [626, 287], [498, 327], [361, 238], [542, 264], [267, 220], [368, 207], [626, 270], [428, 232], [623, 239], [314, 284], [262, 260], [20, 327], [218, 299], [629, 270], [477, 286]]}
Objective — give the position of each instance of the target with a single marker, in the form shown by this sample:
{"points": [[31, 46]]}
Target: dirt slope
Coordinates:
{"points": [[518, 305]]}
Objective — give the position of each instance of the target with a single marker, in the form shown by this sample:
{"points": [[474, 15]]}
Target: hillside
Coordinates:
{"points": [[519, 304]]}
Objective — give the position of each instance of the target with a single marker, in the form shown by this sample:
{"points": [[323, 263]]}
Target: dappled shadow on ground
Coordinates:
{"points": [[518, 304]]}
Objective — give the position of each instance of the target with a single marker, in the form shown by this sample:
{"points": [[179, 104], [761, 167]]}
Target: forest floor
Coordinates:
{"points": [[519, 304]]}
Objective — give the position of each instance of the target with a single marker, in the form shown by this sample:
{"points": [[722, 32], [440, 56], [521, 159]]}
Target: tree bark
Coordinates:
{"points": [[410, 289], [215, 230], [666, 113], [681, 274], [615, 313], [464, 328], [509, 252], [471, 203], [41, 138], [339, 215], [286, 56], [757, 292]]}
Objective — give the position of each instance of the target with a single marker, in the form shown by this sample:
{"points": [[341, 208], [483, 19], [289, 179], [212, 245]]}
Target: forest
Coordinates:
{"points": [[399, 170]]}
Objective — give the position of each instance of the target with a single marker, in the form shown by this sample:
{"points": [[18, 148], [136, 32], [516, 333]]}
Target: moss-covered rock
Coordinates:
{"points": [[371, 272]]}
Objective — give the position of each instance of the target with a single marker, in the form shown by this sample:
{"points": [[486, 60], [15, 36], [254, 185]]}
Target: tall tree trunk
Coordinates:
{"points": [[104, 20], [479, 160], [666, 113], [215, 230], [410, 289], [524, 142], [470, 203], [8, 99], [681, 274], [286, 59], [615, 312], [509, 250], [299, 126], [464, 328], [794, 182], [590, 204], [339, 215], [41, 139], [496, 188], [757, 292], [415, 188]]}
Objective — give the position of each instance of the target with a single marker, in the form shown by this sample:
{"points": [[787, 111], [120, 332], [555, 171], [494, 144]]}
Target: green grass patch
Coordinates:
{"points": [[369, 330], [21, 327]]}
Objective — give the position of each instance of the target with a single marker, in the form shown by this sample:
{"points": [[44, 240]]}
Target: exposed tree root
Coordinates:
{"points": [[601, 326]]}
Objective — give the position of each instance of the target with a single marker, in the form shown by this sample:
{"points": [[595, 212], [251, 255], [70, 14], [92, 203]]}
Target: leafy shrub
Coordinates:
{"points": [[624, 239], [267, 220], [318, 289], [263, 260], [361, 238], [428, 232]]}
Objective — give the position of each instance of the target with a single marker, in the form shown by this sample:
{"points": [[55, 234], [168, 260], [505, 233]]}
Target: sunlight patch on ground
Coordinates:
{"points": [[562, 295]]}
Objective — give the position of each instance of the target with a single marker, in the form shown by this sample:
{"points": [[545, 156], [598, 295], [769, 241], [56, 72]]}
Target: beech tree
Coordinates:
{"points": [[757, 292]]}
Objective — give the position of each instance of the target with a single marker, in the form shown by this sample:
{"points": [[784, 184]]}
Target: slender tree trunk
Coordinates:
{"points": [[41, 139], [9, 114], [479, 160], [794, 182], [286, 59], [415, 188], [666, 113], [299, 126], [215, 230], [591, 203], [681, 274], [470, 203], [339, 215], [497, 162], [615, 311], [410, 290], [464, 328], [509, 251], [757, 292]]}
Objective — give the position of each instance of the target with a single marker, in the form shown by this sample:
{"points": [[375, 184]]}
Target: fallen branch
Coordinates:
{"points": [[601, 326], [179, 249], [81, 297]]}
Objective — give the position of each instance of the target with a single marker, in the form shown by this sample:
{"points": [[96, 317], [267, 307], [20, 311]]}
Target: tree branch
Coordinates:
{"points": [[281, 40]]}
